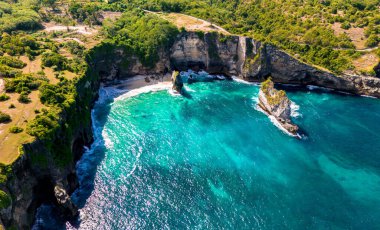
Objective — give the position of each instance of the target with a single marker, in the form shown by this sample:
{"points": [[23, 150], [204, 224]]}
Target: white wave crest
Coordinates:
{"points": [[294, 110], [243, 81], [368, 96], [313, 87]]}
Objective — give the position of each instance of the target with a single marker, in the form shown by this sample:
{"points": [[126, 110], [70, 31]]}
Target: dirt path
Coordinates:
{"points": [[85, 30], [190, 23], [2, 86]]}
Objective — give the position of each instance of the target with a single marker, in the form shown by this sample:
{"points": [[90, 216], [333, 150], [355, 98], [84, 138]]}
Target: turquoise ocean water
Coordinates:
{"points": [[212, 161]]}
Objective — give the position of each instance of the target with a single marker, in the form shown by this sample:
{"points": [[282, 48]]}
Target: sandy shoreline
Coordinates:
{"points": [[140, 81]]}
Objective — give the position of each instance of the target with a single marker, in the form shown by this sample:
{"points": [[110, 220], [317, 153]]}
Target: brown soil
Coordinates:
{"points": [[355, 34]]}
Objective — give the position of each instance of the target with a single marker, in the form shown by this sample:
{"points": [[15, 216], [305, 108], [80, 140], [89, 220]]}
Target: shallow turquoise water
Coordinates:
{"points": [[212, 161]]}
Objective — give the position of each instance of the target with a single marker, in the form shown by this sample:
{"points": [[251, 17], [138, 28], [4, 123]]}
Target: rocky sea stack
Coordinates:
{"points": [[275, 103], [177, 81]]}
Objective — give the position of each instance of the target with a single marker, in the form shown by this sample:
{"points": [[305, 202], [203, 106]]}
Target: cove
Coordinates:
{"points": [[212, 161]]}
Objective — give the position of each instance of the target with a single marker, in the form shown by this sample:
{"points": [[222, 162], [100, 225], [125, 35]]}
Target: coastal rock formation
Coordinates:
{"points": [[177, 82], [232, 55], [275, 103], [64, 200]]}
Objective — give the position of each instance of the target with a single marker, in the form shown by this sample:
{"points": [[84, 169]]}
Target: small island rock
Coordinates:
{"points": [[275, 102]]}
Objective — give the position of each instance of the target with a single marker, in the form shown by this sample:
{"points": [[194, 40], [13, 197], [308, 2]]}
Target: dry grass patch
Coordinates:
{"points": [[366, 62], [31, 66], [191, 23], [10, 142], [355, 34]]}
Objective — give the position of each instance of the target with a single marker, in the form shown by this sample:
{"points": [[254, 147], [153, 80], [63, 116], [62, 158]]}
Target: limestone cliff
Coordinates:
{"points": [[233, 56], [275, 103]]}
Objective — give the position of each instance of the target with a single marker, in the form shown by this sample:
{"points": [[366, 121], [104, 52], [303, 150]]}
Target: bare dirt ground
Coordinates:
{"points": [[355, 34], [81, 29], [190, 23], [2, 85]]}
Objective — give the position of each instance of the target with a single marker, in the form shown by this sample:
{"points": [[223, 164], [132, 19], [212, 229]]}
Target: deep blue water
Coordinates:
{"points": [[212, 161]]}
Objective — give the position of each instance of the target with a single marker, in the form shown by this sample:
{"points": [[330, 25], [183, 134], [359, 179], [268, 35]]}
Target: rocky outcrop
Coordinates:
{"points": [[234, 56], [177, 82], [275, 103], [69, 209]]}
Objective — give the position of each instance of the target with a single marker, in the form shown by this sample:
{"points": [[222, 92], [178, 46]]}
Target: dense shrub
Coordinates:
{"points": [[75, 48], [52, 94], [51, 59], [87, 13], [8, 72], [19, 44], [4, 97], [15, 129], [43, 126], [4, 117], [12, 62], [23, 98], [20, 19], [143, 34], [372, 41], [24, 83]]}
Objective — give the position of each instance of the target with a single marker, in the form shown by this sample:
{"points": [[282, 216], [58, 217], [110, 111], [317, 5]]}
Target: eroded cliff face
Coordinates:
{"points": [[236, 56], [45, 172]]}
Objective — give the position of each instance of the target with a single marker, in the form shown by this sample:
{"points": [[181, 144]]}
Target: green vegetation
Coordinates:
{"points": [[19, 44], [4, 117], [141, 34], [24, 83], [55, 60], [5, 199], [12, 62], [23, 98], [75, 48], [20, 16], [273, 96], [15, 129], [4, 97]]}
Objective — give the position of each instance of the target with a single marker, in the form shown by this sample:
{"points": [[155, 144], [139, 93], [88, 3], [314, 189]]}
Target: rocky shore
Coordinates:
{"points": [[275, 103]]}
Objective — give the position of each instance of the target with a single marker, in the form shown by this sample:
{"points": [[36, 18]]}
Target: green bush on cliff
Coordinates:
{"points": [[143, 34], [44, 126], [272, 95], [5, 199]]}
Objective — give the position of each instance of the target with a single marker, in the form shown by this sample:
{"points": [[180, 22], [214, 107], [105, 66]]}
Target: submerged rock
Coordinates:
{"points": [[177, 82], [275, 102]]}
